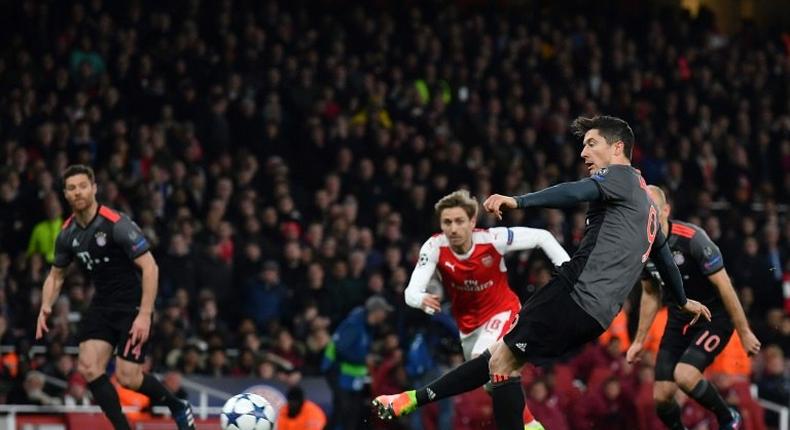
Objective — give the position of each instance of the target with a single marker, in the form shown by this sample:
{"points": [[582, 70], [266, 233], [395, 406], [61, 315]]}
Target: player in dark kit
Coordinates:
{"points": [[113, 253], [686, 351], [579, 303]]}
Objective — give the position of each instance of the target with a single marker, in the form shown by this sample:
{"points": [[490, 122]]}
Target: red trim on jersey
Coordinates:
{"points": [[67, 222], [109, 214], [682, 230]]}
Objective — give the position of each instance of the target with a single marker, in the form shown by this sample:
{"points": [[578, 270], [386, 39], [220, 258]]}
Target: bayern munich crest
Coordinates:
{"points": [[101, 238], [679, 258]]}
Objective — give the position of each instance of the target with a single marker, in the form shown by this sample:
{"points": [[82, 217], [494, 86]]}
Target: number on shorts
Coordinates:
{"points": [[710, 343], [493, 325]]}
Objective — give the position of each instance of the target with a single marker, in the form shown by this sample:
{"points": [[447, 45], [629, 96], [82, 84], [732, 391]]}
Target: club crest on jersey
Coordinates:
{"points": [[487, 260], [101, 238], [678, 257]]}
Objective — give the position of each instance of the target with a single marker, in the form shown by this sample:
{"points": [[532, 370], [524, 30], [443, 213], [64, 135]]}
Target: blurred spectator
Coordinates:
{"points": [[346, 362], [42, 239], [608, 407], [77, 393], [545, 406], [31, 391], [299, 413], [774, 381], [266, 298]]}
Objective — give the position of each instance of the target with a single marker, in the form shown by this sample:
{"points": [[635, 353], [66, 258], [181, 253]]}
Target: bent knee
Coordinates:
{"points": [[503, 362], [686, 376], [664, 392], [90, 371], [130, 378]]}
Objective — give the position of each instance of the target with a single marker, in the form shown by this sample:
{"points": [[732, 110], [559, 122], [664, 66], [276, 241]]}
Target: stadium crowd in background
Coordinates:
{"points": [[284, 161]]}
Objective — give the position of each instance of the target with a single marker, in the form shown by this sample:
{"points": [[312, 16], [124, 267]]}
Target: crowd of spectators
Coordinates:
{"points": [[283, 159]]}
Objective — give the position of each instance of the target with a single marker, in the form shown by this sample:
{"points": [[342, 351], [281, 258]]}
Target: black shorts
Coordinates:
{"points": [[551, 326], [112, 326], [697, 345]]}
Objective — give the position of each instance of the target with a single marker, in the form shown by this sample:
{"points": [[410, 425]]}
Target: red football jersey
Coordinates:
{"points": [[476, 283]]}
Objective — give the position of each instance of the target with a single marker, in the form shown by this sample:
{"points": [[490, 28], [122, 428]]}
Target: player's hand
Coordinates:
{"points": [[141, 327], [697, 309], [633, 355], [41, 324], [496, 202], [431, 304], [750, 342]]}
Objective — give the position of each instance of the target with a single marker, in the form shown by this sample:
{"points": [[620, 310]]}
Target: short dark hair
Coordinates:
{"points": [[78, 169], [613, 129]]}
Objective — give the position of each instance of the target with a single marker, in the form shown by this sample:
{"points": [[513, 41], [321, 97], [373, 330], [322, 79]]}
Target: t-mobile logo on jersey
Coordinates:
{"points": [[85, 257]]}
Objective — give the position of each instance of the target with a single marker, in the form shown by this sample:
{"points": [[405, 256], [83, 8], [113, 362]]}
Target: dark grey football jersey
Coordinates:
{"points": [[105, 249], [621, 228], [697, 257]]}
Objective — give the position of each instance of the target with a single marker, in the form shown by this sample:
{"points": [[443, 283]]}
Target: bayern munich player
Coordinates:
{"points": [[471, 266]]}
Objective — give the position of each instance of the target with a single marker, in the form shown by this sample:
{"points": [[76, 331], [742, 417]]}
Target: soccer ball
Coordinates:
{"points": [[247, 412]]}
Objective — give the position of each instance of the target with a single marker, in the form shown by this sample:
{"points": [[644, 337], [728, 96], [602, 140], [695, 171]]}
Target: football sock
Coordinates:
{"points": [[706, 395], [466, 377], [669, 413], [508, 402], [157, 392], [105, 395]]}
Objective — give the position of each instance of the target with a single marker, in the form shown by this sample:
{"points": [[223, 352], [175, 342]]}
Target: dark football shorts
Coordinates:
{"points": [[697, 345], [551, 326], [112, 326]]}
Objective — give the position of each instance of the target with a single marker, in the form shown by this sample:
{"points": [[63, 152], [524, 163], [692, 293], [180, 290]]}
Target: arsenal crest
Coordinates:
{"points": [[101, 238], [487, 260]]}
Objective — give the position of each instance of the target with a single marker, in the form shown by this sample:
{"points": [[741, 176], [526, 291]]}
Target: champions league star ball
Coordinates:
{"points": [[247, 412]]}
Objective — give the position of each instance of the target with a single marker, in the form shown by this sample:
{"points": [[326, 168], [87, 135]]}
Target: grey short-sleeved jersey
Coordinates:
{"points": [[621, 227], [105, 249]]}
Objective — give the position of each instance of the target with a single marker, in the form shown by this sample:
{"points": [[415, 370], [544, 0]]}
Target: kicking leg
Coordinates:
{"points": [[92, 362], [466, 377]]}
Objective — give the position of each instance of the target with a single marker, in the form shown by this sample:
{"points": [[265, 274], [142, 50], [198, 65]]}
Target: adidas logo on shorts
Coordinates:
{"points": [[522, 346]]}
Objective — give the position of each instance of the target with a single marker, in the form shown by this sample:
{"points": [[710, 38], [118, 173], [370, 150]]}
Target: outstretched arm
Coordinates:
{"points": [[559, 196], [520, 238]]}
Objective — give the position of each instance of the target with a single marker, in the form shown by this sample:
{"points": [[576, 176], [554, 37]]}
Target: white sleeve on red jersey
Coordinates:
{"points": [[423, 272], [508, 239]]}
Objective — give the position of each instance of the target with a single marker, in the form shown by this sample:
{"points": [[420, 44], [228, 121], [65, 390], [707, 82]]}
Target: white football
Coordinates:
{"points": [[247, 412]]}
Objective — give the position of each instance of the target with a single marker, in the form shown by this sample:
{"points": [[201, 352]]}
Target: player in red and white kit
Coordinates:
{"points": [[470, 264]]}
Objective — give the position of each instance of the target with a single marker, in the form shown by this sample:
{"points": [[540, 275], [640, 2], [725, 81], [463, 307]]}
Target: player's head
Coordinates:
{"points": [[457, 214], [605, 139], [659, 198], [79, 186], [295, 398]]}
